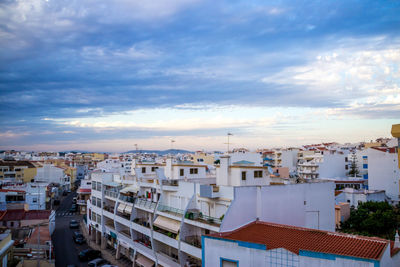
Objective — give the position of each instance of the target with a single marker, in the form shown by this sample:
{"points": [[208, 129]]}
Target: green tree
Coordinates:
{"points": [[353, 166], [372, 219]]}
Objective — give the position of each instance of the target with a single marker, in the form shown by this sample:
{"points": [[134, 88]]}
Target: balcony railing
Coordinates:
{"points": [[170, 182], [193, 240], [142, 222], [127, 199], [198, 216], [112, 194], [168, 209], [109, 209], [141, 202]]}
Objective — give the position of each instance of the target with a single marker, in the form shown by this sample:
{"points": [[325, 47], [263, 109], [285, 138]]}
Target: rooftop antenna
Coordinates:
{"points": [[136, 146], [228, 134]]}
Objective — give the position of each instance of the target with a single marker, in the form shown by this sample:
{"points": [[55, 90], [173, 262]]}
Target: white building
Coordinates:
{"points": [[33, 195], [267, 244], [357, 196], [383, 171], [158, 215], [322, 164], [48, 173]]}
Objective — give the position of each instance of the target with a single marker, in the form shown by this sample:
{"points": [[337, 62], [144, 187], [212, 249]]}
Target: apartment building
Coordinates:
{"points": [[158, 214], [322, 163], [22, 170]]}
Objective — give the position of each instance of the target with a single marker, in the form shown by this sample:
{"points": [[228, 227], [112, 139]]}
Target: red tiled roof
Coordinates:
{"points": [[37, 214], [13, 215], [385, 149], [295, 239], [20, 214]]}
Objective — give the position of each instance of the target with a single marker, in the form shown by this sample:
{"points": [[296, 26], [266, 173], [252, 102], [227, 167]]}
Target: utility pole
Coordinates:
{"points": [[172, 142]]}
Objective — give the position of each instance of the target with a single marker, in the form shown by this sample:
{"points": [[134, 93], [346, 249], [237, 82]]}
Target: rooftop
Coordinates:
{"points": [[295, 239], [20, 214]]}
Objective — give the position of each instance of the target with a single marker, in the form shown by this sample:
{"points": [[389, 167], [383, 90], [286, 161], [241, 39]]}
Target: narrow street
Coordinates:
{"points": [[65, 248]]}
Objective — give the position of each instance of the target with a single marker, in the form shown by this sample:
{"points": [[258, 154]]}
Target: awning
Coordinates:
{"points": [[131, 188], [121, 207], [128, 209], [167, 224], [143, 261]]}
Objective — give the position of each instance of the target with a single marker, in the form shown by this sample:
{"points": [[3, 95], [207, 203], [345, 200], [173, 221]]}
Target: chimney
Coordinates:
{"points": [[397, 240], [223, 172], [168, 167]]}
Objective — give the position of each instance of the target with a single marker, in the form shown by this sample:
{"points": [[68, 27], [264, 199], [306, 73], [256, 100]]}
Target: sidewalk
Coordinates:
{"points": [[106, 254]]}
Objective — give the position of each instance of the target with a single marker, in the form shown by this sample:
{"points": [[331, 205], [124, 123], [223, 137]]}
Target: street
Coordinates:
{"points": [[65, 248]]}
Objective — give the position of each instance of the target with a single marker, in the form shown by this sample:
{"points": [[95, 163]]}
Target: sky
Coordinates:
{"points": [[106, 75]]}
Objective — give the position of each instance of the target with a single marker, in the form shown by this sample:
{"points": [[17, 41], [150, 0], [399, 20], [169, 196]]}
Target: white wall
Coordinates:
{"points": [[50, 174], [333, 166], [310, 205], [248, 156], [383, 172], [289, 159], [215, 249]]}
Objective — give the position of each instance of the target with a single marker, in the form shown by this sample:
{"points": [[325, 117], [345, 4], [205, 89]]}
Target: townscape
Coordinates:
{"points": [[181, 208]]}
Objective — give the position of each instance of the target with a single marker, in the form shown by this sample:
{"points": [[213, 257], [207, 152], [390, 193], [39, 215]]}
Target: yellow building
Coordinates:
{"points": [[6, 245], [22, 170]]}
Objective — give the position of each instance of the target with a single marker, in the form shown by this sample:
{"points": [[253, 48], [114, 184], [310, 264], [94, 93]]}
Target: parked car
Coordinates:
{"points": [[89, 254], [73, 224], [78, 238], [73, 208], [97, 262]]}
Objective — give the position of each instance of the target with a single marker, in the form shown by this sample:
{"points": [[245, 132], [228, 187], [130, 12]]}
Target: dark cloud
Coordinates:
{"points": [[61, 57]]}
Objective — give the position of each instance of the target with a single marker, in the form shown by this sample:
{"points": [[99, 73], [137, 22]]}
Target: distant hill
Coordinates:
{"points": [[161, 152]]}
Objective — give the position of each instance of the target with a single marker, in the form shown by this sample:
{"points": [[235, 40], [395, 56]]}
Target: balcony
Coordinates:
{"points": [[167, 260], [196, 215], [109, 208], [127, 199], [209, 191], [193, 240], [111, 194], [170, 185], [110, 224], [142, 221], [145, 204], [170, 210]]}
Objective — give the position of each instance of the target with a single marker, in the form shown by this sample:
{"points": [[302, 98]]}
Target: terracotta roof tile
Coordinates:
{"points": [[295, 239]]}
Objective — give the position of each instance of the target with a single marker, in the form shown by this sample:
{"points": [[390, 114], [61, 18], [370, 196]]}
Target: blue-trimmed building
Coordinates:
{"points": [[269, 244]]}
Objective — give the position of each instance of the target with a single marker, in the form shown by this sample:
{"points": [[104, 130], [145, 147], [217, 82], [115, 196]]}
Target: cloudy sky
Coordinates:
{"points": [[105, 75]]}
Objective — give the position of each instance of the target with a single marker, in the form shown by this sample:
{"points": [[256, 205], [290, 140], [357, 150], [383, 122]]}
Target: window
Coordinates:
{"points": [[258, 174], [12, 224], [153, 169], [243, 176], [94, 185], [229, 263], [143, 169], [346, 159], [181, 172], [194, 171], [346, 167], [34, 200]]}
